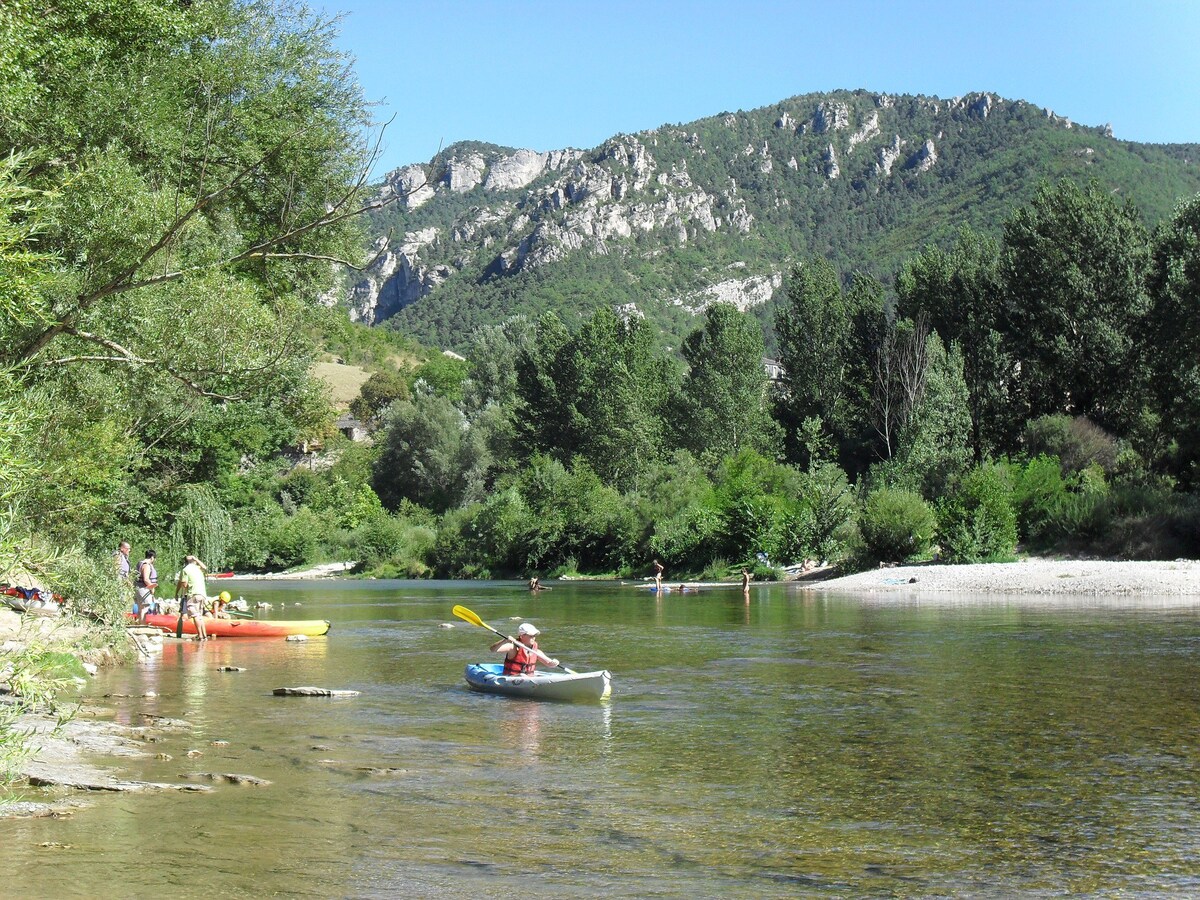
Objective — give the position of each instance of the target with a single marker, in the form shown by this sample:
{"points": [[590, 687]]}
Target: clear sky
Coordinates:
{"points": [[549, 74]]}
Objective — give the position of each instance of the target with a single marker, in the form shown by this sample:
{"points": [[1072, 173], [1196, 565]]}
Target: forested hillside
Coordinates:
{"points": [[719, 209], [974, 358]]}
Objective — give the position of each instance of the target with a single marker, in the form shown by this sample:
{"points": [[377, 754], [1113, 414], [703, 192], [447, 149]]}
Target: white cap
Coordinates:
{"points": [[526, 628]]}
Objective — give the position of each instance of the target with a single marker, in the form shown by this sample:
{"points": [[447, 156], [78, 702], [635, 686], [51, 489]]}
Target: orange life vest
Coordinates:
{"points": [[523, 662]]}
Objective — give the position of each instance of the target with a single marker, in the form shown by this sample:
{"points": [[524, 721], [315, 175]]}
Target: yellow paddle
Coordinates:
{"points": [[463, 613]]}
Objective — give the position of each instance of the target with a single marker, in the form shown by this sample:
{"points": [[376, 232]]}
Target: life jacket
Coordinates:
{"points": [[141, 582], [522, 663]]}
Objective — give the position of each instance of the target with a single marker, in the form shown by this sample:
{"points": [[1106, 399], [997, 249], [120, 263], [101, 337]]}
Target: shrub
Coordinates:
{"points": [[1037, 489], [1077, 442], [895, 525], [978, 523]]}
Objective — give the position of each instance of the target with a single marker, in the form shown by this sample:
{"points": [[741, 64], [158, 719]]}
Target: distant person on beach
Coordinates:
{"points": [[145, 582], [192, 593], [121, 560], [521, 657]]}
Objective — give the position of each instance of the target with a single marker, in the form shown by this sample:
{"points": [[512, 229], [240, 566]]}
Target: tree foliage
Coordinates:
{"points": [[1074, 267], [723, 399]]}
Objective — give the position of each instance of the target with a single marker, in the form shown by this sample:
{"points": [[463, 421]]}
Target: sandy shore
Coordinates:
{"points": [[325, 570], [1031, 576]]}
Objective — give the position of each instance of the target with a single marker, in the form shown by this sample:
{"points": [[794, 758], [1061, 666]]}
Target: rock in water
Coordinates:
{"points": [[312, 692], [230, 778]]}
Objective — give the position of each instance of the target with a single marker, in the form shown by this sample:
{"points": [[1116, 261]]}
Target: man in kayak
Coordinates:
{"points": [[521, 657]]}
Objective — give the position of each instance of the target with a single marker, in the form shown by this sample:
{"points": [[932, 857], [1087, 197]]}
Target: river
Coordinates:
{"points": [[800, 744]]}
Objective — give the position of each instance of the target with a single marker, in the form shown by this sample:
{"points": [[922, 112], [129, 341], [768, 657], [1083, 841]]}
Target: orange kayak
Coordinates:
{"points": [[241, 627]]}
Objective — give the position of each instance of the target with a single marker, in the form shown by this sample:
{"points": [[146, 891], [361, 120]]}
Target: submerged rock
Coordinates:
{"points": [[229, 777], [312, 692]]}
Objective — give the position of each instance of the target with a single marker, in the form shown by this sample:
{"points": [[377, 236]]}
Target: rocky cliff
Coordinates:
{"points": [[681, 216]]}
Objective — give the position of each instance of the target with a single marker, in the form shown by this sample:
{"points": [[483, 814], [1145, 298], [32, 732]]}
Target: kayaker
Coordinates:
{"points": [[191, 586], [219, 603], [521, 657], [144, 584]]}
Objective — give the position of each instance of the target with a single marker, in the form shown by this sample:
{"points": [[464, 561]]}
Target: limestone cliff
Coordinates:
{"points": [[681, 216]]}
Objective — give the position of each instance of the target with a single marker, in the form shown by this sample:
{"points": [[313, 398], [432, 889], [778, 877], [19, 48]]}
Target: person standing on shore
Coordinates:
{"points": [[191, 592], [121, 560], [145, 582]]}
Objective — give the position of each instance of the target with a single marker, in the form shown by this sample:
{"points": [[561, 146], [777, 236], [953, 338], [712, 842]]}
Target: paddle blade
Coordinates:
{"points": [[463, 613]]}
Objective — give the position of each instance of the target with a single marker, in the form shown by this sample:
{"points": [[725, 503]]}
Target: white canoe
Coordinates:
{"points": [[489, 679]]}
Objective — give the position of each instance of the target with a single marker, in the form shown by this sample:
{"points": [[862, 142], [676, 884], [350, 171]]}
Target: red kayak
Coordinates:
{"points": [[223, 575], [240, 627]]}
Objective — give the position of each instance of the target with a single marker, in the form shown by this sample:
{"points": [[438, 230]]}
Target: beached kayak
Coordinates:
{"points": [[241, 627], [488, 678]]}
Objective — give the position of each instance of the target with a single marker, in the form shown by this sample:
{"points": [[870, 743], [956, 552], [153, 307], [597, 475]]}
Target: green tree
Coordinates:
{"points": [[814, 331], [378, 392], [722, 406], [827, 337], [959, 291], [599, 395], [430, 455], [1173, 331], [1074, 267], [443, 375], [185, 173]]}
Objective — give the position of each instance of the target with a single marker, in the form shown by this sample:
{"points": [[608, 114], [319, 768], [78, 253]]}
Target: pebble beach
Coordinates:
{"points": [[1067, 577]]}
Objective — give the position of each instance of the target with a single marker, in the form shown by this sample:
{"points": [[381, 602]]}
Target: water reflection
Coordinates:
{"points": [[521, 729]]}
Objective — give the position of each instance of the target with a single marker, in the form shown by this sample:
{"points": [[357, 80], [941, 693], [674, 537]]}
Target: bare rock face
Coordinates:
{"points": [[925, 158], [744, 293], [831, 116], [516, 171], [410, 184], [830, 162], [889, 156], [869, 130], [465, 174]]}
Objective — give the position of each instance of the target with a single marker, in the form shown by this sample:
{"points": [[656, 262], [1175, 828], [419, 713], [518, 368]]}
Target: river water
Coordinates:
{"points": [[800, 744]]}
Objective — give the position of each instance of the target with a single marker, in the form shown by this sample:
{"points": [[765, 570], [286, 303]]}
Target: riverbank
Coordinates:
{"points": [[324, 570], [1066, 577]]}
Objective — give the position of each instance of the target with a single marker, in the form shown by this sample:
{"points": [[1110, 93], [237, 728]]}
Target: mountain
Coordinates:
{"points": [[668, 220]]}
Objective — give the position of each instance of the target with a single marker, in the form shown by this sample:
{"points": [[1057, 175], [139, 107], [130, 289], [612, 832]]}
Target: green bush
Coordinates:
{"points": [[896, 525], [977, 520], [294, 540], [386, 545], [1077, 442], [1037, 489]]}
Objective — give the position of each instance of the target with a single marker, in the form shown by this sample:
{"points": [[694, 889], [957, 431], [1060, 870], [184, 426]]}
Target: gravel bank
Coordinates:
{"points": [[1031, 576]]}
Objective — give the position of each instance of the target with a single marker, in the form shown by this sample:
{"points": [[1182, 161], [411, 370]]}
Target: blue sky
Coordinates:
{"points": [[547, 75]]}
